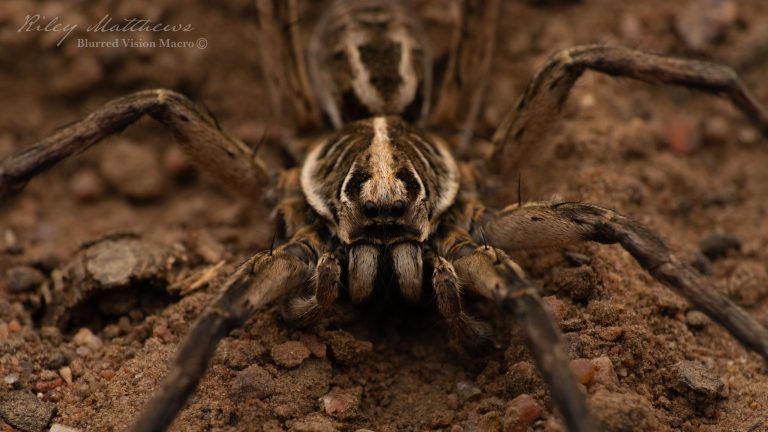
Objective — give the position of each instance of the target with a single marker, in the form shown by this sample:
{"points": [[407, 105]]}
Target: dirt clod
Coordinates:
{"points": [[578, 282], [717, 244], [23, 410], [253, 381], [697, 319], [290, 354], [314, 422], [605, 374], [317, 348], [466, 390], [57, 427], [624, 412], [342, 403], [584, 370], [522, 377], [85, 337], [345, 348], [23, 278]]}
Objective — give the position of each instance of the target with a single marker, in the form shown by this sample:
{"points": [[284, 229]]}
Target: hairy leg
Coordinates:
{"points": [[259, 281], [537, 109], [326, 281], [284, 67], [492, 274], [546, 224], [465, 330], [468, 69], [228, 160]]}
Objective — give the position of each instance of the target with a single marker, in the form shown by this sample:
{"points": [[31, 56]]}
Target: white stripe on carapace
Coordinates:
{"points": [[383, 188], [311, 187]]}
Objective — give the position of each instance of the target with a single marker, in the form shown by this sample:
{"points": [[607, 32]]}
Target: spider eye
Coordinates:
{"points": [[398, 208], [370, 210]]}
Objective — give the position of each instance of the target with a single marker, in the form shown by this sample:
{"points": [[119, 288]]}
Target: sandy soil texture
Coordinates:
{"points": [[132, 221]]}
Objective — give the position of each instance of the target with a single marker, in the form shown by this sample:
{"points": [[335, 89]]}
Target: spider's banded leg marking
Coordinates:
{"points": [[326, 281], [547, 224], [284, 68], [537, 108], [228, 160], [465, 330], [468, 70], [256, 283], [495, 276]]}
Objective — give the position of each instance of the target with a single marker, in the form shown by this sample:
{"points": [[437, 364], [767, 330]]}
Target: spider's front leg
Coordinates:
{"points": [[547, 224], [227, 159], [537, 109], [259, 281], [490, 273]]}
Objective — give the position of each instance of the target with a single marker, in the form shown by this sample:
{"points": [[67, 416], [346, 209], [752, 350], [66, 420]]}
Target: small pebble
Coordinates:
{"points": [[521, 413], [555, 307], [87, 186], [696, 319], [345, 348], [46, 386], [85, 338], [317, 348], [717, 244], [522, 377], [66, 374], [23, 410], [52, 334], [694, 380], [23, 278], [605, 374], [58, 427], [107, 374], [14, 326], [682, 134], [341, 403], [747, 283], [490, 422], [466, 390], [610, 334], [12, 244], [578, 282], [254, 381], [583, 369], [631, 29], [290, 354], [11, 379]]}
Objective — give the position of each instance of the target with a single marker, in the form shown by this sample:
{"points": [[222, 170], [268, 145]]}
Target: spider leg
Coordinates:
{"points": [[228, 160], [492, 274], [284, 67], [547, 224], [468, 69], [465, 330], [326, 282], [537, 108], [256, 283]]}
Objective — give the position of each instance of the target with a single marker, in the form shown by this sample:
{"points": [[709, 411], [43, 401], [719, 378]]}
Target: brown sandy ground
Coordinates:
{"points": [[686, 165]]}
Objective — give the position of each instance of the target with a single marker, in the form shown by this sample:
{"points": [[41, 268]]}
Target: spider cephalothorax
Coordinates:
{"points": [[388, 196], [382, 185]]}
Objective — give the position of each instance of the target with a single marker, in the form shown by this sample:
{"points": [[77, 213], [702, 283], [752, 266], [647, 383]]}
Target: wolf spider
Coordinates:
{"points": [[381, 203]]}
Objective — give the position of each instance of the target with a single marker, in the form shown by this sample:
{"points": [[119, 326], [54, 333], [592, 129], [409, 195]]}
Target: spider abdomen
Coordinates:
{"points": [[368, 59]]}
